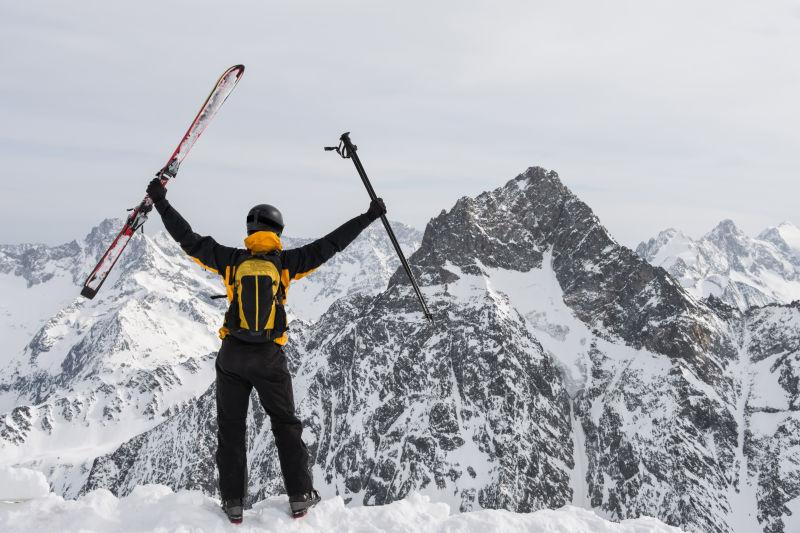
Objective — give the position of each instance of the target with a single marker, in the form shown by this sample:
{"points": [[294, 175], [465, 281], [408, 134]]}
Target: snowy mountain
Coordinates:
{"points": [[191, 511], [81, 377], [95, 373], [726, 263], [562, 368]]}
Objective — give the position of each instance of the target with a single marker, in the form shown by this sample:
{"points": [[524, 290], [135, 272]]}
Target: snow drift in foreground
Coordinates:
{"points": [[22, 484], [157, 508]]}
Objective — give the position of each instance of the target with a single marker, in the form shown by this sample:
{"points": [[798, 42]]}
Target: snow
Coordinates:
{"points": [[538, 296], [18, 321], [792, 518], [578, 484], [743, 495], [790, 235], [769, 394], [22, 484], [157, 508], [146, 346]]}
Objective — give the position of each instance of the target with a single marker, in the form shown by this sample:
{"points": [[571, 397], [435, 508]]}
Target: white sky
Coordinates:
{"points": [[655, 113]]}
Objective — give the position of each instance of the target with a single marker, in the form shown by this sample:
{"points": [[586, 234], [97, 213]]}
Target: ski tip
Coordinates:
{"points": [[233, 74], [88, 293]]}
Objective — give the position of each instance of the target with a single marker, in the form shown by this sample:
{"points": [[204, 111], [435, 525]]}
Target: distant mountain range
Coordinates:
{"points": [[726, 263], [562, 367]]}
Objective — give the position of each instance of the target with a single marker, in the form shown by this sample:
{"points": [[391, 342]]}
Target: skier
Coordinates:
{"points": [[251, 356]]}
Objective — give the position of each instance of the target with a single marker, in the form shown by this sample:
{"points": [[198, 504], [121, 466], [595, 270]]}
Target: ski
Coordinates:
{"points": [[138, 215]]}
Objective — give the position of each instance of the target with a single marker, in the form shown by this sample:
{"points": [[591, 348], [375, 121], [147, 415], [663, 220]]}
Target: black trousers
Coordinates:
{"points": [[240, 367]]}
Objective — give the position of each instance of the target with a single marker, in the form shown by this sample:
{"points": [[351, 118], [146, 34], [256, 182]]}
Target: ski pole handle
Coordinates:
{"points": [[351, 149]]}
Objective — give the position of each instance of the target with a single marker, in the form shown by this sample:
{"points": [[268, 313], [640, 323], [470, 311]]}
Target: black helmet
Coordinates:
{"points": [[264, 217]]}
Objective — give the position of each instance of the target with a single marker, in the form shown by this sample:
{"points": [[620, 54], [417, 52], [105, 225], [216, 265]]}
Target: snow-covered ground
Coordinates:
{"points": [[157, 508], [22, 484]]}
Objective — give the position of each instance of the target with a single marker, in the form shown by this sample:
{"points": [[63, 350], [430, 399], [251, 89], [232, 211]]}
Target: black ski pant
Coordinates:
{"points": [[241, 367]]}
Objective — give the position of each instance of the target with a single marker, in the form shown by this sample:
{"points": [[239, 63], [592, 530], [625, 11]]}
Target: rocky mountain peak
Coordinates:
{"points": [[667, 249], [726, 227], [669, 233], [481, 408], [606, 284], [508, 227], [100, 236], [727, 235], [32, 261], [786, 237]]}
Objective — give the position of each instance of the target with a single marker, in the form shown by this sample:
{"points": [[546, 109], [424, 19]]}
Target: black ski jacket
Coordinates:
{"points": [[295, 263]]}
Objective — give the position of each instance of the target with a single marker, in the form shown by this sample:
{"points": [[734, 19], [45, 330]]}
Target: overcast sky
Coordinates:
{"points": [[656, 114]]}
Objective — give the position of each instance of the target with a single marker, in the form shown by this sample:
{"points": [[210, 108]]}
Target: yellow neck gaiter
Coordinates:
{"points": [[263, 242]]}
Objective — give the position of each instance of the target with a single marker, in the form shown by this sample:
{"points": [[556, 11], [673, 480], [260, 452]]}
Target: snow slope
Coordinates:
{"points": [[96, 373], [156, 508]]}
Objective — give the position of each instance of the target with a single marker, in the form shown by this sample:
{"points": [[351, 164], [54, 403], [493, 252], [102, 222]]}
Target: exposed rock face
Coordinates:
{"points": [[729, 265], [772, 424], [562, 367]]}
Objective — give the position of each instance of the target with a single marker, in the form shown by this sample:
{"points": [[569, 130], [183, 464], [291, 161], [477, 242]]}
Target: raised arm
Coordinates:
{"points": [[305, 259], [204, 250]]}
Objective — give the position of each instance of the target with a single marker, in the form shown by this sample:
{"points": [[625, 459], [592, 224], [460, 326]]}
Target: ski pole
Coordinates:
{"points": [[347, 150]]}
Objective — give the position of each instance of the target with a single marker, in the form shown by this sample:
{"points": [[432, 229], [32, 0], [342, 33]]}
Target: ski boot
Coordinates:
{"points": [[301, 503], [233, 510]]}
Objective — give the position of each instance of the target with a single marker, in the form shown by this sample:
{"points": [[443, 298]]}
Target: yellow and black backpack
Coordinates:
{"points": [[256, 313]]}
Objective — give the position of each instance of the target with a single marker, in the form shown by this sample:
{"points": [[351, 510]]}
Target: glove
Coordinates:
{"points": [[376, 209], [156, 191]]}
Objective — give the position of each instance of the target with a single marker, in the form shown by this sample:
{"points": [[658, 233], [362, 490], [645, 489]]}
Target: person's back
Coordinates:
{"points": [[257, 279]]}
